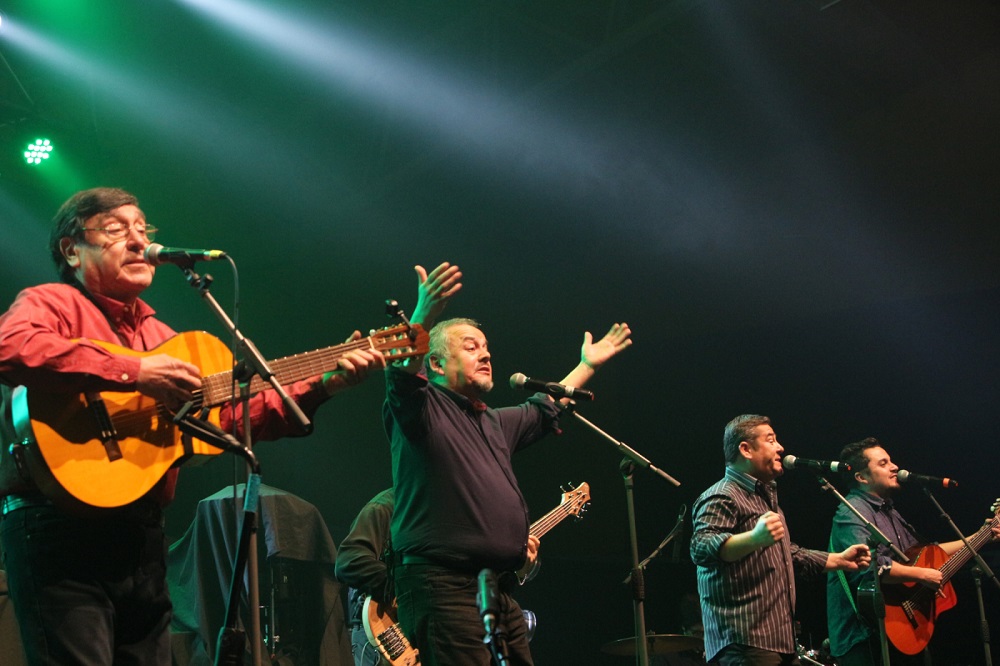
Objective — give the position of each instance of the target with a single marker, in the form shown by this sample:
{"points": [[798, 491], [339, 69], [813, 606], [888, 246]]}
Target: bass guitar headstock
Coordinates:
{"points": [[575, 500]]}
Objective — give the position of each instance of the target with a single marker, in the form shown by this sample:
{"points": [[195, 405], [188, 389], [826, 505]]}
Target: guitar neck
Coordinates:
{"points": [[541, 526], [218, 388], [396, 343], [958, 560]]}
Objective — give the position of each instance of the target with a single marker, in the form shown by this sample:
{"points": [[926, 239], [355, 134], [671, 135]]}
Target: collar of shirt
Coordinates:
{"points": [[474, 407], [750, 483], [118, 312], [878, 503]]}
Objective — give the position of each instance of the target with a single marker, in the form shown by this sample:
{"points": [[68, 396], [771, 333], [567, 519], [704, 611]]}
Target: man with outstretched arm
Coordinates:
{"points": [[458, 506]]}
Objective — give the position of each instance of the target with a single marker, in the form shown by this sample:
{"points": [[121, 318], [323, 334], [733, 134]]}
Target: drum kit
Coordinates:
{"points": [[658, 645]]}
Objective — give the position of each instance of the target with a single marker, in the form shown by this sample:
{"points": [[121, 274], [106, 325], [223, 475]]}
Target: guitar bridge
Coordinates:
{"points": [[109, 436], [393, 641]]}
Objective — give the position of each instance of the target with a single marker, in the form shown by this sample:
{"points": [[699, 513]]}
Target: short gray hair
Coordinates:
{"points": [[440, 335]]}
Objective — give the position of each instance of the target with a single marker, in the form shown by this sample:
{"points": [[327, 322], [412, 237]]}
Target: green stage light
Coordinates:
{"points": [[38, 151]]}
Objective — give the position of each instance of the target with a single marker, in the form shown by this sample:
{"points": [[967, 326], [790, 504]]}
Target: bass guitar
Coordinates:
{"points": [[109, 449], [380, 620], [911, 609]]}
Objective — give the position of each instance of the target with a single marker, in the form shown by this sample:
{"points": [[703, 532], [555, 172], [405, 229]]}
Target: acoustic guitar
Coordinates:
{"points": [[911, 609], [380, 620], [109, 449]]}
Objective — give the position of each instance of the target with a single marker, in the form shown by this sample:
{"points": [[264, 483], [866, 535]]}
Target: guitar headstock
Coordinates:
{"points": [[575, 500], [400, 341], [990, 523]]}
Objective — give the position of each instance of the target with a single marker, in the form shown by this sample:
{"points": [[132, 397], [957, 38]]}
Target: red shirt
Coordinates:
{"points": [[44, 344]]}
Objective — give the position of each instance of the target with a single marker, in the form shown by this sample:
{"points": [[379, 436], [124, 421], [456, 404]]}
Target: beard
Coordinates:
{"points": [[483, 385]]}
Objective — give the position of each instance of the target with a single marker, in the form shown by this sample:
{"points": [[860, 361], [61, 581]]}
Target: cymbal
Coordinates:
{"points": [[655, 644]]}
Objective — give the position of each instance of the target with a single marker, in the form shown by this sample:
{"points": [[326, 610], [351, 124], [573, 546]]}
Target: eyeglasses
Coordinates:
{"points": [[118, 230]]}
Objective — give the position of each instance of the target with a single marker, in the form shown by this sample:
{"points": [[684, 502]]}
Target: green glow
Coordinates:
{"points": [[38, 151]]}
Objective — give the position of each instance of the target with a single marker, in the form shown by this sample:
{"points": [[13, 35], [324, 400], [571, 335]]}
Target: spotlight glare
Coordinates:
{"points": [[38, 151]]}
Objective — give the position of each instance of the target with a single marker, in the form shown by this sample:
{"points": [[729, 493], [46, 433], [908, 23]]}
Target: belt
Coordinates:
{"points": [[15, 502], [418, 559], [466, 569], [143, 511]]}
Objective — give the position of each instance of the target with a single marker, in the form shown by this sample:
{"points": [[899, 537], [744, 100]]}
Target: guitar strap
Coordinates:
{"points": [[389, 557], [847, 588]]}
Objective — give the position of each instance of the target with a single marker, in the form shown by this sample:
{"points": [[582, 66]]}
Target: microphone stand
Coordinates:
{"points": [[875, 539], [972, 551], [231, 641], [627, 466], [674, 533], [488, 600], [496, 640], [984, 625], [978, 572]]}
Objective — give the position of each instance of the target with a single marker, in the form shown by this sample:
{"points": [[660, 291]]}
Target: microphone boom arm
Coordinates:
{"points": [[623, 448]]}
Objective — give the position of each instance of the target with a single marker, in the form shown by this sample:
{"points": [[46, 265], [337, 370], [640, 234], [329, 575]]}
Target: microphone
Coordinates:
{"points": [[156, 254], [518, 380], [794, 462], [488, 601], [909, 477]]}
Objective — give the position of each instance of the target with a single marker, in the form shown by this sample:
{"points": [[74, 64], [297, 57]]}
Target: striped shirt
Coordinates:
{"points": [[750, 601]]}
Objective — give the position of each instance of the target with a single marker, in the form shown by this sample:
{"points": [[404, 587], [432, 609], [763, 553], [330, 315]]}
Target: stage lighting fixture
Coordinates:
{"points": [[38, 151]]}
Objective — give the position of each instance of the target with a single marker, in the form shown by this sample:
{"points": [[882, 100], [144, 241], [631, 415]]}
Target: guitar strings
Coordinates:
{"points": [[550, 520], [956, 561], [217, 388], [299, 366]]}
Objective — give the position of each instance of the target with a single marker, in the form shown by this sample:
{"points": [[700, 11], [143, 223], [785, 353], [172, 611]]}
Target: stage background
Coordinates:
{"points": [[793, 205]]}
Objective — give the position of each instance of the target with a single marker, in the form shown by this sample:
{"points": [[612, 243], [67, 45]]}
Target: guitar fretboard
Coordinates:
{"points": [[218, 388], [571, 506]]}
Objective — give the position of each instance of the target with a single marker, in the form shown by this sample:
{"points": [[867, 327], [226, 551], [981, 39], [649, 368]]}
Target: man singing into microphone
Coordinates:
{"points": [[855, 642], [458, 507], [746, 561], [92, 590]]}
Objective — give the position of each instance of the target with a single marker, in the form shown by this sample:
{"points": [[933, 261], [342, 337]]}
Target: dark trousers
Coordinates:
{"points": [[364, 653], [88, 592], [439, 614], [744, 655]]}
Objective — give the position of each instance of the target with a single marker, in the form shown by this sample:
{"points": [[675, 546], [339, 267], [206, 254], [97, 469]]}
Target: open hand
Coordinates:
{"points": [[595, 354], [434, 290]]}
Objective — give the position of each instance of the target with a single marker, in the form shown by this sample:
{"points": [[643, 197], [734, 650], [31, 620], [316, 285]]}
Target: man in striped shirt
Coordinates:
{"points": [[746, 561]]}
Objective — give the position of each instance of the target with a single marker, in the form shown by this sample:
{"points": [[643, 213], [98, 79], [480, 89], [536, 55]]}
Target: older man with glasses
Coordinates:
{"points": [[91, 590]]}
